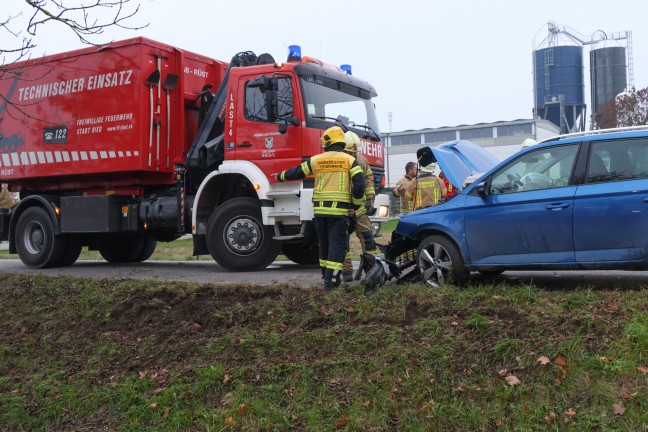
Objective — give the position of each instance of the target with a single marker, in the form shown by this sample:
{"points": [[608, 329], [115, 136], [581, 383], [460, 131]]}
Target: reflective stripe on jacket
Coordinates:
{"points": [[339, 182]]}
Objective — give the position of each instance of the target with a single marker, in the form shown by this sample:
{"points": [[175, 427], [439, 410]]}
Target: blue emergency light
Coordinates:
{"points": [[346, 68], [294, 53]]}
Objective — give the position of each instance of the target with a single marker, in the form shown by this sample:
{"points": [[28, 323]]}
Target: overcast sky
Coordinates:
{"points": [[434, 63]]}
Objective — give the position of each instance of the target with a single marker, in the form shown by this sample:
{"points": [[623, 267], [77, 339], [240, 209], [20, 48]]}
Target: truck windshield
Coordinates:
{"points": [[324, 97]]}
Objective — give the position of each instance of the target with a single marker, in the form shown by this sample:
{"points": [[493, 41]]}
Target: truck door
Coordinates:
{"points": [[256, 136]]}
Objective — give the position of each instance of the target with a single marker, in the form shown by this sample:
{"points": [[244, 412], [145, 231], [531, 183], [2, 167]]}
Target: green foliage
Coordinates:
{"points": [[156, 356]]}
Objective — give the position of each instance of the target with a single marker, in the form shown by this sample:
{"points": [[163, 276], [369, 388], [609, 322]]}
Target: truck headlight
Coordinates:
{"points": [[383, 211]]}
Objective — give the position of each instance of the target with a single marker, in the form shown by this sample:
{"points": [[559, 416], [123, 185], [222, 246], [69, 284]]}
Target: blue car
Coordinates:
{"points": [[577, 201]]}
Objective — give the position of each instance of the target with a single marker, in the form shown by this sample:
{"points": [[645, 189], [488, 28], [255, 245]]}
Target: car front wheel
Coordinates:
{"points": [[440, 262]]}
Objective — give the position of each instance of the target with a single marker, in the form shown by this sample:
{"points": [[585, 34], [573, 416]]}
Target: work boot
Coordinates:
{"points": [[347, 276], [337, 280]]}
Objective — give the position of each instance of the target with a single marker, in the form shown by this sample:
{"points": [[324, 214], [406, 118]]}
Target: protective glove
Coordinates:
{"points": [[276, 176], [369, 206]]}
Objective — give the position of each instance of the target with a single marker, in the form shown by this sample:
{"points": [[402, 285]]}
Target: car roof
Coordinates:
{"points": [[601, 134]]}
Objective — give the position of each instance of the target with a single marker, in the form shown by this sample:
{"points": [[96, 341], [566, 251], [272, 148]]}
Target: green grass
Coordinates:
{"points": [[152, 356]]}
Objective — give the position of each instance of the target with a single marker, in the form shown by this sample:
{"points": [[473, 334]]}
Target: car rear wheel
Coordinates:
{"points": [[440, 262]]}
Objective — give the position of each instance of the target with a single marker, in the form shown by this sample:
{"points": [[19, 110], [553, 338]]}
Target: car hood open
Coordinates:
{"points": [[458, 160]]}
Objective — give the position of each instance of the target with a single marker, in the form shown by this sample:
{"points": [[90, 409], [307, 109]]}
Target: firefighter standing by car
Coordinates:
{"points": [[450, 189], [337, 193], [362, 224], [426, 189], [401, 186]]}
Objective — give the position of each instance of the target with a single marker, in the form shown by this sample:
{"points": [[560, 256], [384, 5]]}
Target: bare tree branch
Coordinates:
{"points": [[87, 19], [80, 19]]}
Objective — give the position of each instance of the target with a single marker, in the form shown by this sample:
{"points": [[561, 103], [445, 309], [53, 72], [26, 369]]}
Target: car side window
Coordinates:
{"points": [[541, 169], [618, 160]]}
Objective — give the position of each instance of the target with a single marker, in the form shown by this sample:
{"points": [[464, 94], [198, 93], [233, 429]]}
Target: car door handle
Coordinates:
{"points": [[559, 206], [244, 144]]}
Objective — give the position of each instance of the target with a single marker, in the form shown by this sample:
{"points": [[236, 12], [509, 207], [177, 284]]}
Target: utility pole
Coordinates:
{"points": [[388, 141]]}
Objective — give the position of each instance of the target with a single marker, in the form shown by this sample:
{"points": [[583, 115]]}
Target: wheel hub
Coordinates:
{"points": [[34, 238], [242, 236]]}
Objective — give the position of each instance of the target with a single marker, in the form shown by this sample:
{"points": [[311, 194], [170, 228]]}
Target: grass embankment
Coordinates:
{"points": [[136, 355]]}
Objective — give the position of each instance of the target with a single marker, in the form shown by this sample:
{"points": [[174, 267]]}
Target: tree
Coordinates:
{"points": [[87, 19], [627, 109], [7, 200]]}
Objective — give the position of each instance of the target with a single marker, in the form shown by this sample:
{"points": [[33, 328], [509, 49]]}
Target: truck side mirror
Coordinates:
{"points": [[292, 121]]}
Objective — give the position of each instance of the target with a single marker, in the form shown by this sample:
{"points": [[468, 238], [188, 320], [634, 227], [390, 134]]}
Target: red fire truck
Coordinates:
{"points": [[120, 146]]}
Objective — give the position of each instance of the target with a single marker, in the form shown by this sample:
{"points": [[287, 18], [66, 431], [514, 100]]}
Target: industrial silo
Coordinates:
{"points": [[608, 72], [558, 80], [559, 86]]}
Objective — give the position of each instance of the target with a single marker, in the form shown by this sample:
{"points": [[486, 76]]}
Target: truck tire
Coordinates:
{"points": [[300, 254], [237, 239], [36, 243], [130, 249], [72, 252]]}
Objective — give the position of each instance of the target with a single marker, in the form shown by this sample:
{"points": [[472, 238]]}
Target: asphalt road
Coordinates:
{"points": [[188, 271], [284, 272]]}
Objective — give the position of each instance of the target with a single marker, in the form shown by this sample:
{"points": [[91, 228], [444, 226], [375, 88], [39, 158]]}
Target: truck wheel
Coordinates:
{"points": [[237, 238], [72, 252], [300, 254], [130, 249], [440, 262], [36, 243], [150, 243]]}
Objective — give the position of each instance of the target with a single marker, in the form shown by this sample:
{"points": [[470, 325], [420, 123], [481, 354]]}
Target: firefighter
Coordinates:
{"points": [[338, 192], [361, 220], [401, 186], [451, 190], [426, 189]]}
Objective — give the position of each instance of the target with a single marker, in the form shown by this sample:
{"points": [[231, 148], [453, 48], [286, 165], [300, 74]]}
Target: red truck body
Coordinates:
{"points": [[120, 146], [82, 119]]}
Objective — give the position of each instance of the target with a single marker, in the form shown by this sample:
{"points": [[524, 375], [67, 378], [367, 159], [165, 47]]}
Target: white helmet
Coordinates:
{"points": [[429, 168], [352, 142], [528, 143]]}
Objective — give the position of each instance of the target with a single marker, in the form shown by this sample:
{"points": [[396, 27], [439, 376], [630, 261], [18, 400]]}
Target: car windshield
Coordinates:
{"points": [[334, 100]]}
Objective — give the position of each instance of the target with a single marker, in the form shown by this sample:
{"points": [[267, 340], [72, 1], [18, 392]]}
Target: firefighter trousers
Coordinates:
{"points": [[332, 236], [364, 232]]}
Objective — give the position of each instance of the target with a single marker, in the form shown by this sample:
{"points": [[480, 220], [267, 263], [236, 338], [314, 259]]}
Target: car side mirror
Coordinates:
{"points": [[481, 189]]}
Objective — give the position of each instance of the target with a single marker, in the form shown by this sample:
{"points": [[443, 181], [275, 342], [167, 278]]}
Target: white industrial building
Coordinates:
{"points": [[502, 139]]}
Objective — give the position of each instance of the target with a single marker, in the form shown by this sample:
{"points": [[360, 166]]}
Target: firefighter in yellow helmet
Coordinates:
{"points": [[363, 228], [426, 189], [337, 193]]}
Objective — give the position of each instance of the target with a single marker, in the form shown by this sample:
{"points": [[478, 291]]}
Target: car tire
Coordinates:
{"points": [[440, 262]]}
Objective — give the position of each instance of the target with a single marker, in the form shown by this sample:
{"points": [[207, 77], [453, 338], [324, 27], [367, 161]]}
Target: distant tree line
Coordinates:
{"points": [[627, 109]]}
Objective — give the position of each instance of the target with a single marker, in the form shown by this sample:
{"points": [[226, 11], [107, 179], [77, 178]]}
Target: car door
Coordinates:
{"points": [[611, 208], [525, 216]]}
